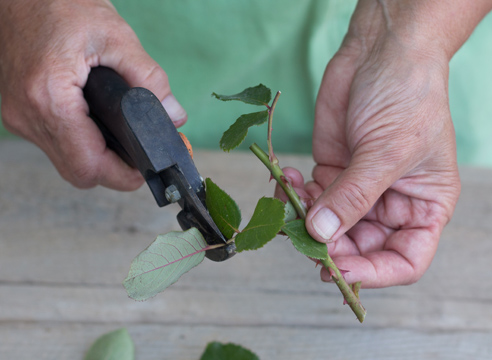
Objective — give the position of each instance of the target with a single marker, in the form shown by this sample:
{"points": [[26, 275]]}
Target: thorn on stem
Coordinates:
{"points": [[285, 180], [343, 272]]}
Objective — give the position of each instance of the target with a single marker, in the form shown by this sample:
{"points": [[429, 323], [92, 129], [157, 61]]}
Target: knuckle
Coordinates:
{"points": [[417, 268], [356, 197], [156, 78], [416, 275], [37, 97], [156, 72], [83, 176], [33, 90]]}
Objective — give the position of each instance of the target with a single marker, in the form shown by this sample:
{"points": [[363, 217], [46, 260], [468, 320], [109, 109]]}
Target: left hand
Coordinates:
{"points": [[386, 179]]}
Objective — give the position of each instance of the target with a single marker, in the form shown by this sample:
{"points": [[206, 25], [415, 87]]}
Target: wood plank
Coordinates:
{"points": [[187, 304], [60, 341], [64, 253]]}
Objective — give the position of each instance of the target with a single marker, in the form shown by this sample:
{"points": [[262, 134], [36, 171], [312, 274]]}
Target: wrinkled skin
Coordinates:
{"points": [[385, 155], [48, 49]]}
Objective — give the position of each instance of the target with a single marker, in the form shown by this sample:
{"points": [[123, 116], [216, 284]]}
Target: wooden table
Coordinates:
{"points": [[64, 253]]}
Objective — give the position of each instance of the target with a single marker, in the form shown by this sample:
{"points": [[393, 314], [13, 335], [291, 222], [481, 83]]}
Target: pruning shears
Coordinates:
{"points": [[137, 127]]}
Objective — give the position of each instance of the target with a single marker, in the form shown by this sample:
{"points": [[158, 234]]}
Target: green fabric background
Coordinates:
{"points": [[470, 96], [225, 46]]}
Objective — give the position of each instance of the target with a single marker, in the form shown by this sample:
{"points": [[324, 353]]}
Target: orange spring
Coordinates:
{"points": [[187, 143]]}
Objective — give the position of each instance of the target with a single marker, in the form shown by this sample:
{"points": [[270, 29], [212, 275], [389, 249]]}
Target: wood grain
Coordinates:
{"points": [[64, 253]]}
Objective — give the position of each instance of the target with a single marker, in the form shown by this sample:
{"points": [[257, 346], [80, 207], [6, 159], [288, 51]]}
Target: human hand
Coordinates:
{"points": [[386, 180], [48, 49]]}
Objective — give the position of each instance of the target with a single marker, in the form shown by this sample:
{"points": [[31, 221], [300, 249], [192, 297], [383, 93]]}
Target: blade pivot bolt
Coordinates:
{"points": [[172, 194]]}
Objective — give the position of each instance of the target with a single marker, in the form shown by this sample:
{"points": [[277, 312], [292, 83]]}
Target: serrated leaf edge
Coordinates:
{"points": [[258, 103], [234, 228], [241, 139], [300, 250], [258, 226]]}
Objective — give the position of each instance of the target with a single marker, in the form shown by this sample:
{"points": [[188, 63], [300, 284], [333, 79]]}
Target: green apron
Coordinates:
{"points": [[225, 46]]}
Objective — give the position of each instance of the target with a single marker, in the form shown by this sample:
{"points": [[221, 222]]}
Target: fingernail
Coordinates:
{"points": [[325, 223], [173, 108]]}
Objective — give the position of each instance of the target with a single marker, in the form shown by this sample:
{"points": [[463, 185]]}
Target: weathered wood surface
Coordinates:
{"points": [[64, 253]]}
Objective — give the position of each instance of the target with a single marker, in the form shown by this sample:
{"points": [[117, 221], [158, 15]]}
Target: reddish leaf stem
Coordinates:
{"points": [[273, 158]]}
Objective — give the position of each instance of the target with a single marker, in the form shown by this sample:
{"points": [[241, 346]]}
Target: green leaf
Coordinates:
{"points": [[257, 95], [116, 345], [266, 222], [303, 242], [290, 212], [218, 351], [235, 135], [223, 209], [163, 262]]}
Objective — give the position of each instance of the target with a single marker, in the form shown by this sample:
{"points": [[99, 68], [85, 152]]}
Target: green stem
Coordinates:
{"points": [[279, 176], [351, 298]]}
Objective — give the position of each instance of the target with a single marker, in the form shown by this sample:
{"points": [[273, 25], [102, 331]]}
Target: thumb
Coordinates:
{"points": [[138, 68], [349, 198], [150, 75]]}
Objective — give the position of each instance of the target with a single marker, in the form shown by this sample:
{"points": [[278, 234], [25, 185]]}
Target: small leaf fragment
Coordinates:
{"points": [[218, 351], [163, 262], [235, 135], [356, 288], [290, 212], [257, 95], [115, 345], [223, 209], [303, 242], [266, 222]]}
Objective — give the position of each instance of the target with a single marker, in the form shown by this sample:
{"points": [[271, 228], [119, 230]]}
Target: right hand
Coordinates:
{"points": [[48, 49]]}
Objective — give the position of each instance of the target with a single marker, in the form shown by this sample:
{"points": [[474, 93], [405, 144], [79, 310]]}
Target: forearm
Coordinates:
{"points": [[434, 27]]}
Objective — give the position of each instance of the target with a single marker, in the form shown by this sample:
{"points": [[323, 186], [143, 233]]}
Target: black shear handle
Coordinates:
{"points": [[103, 93], [136, 126]]}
